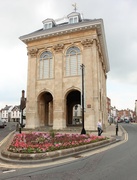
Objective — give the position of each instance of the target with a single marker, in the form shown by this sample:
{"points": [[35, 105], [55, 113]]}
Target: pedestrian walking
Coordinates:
{"points": [[99, 127]]}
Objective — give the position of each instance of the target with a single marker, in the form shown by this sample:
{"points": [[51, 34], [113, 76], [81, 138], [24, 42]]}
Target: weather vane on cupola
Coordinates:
{"points": [[75, 6]]}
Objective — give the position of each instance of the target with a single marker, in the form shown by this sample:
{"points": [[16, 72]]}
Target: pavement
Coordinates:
{"points": [[38, 158]]}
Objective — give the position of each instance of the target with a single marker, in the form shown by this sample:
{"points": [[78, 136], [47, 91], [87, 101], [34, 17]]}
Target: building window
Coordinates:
{"points": [[46, 65], [73, 20], [48, 25], [73, 61]]}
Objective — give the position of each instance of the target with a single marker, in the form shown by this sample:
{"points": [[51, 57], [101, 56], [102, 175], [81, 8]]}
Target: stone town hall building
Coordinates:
{"points": [[55, 55]]}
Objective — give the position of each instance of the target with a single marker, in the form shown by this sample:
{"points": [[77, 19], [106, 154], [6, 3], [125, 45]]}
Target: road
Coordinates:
{"points": [[5, 131], [117, 163]]}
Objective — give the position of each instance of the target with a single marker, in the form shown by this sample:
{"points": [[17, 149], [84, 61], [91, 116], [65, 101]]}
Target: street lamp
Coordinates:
{"points": [[83, 129], [22, 107]]}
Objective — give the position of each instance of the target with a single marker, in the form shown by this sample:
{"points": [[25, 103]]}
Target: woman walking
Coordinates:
{"points": [[99, 126]]}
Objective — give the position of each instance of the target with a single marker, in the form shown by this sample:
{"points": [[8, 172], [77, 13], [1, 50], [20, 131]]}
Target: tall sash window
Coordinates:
{"points": [[46, 65], [73, 61]]}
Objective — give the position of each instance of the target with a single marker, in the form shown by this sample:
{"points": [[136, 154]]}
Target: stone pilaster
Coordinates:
{"points": [[88, 56], [96, 80], [59, 120], [101, 73], [31, 105]]}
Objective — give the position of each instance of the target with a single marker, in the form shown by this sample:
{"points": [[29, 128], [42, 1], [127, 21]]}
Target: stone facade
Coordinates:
{"points": [[51, 99]]}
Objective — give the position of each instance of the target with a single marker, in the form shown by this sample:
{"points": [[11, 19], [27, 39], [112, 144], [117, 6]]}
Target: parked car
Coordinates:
{"points": [[126, 120], [132, 120], [4, 121], [120, 120], [2, 125]]}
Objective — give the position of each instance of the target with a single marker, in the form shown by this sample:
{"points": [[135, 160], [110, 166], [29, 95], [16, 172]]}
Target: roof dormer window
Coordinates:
{"points": [[73, 20], [48, 23], [74, 17]]}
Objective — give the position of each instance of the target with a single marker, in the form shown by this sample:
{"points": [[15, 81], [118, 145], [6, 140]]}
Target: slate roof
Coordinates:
{"points": [[17, 107], [7, 107], [60, 28]]}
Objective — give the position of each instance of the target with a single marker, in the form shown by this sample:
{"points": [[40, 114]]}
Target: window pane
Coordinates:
{"points": [[75, 49], [46, 54], [73, 60], [79, 63], [73, 52], [71, 20], [46, 69], [73, 65], [75, 20], [46, 26], [51, 69], [67, 66], [46, 65], [40, 70], [50, 25]]}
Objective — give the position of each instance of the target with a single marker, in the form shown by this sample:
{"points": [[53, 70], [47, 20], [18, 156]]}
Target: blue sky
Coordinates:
{"points": [[22, 17]]}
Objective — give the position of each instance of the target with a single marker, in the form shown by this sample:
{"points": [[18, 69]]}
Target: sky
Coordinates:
{"points": [[21, 17]]}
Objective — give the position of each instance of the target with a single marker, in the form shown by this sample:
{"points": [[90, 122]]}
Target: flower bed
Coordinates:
{"points": [[37, 142]]}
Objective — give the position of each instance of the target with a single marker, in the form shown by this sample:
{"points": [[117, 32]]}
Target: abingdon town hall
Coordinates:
{"points": [[57, 54]]}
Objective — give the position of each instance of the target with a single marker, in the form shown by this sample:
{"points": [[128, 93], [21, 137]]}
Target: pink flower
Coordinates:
{"points": [[37, 142]]}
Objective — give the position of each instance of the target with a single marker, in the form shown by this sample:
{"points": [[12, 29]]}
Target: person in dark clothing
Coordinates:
{"points": [[99, 127]]}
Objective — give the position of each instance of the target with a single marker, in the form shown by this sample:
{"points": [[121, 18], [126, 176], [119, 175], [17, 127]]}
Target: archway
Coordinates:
{"points": [[45, 109], [73, 108]]}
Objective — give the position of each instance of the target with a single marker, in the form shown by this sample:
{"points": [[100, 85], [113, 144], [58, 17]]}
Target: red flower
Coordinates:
{"points": [[37, 142]]}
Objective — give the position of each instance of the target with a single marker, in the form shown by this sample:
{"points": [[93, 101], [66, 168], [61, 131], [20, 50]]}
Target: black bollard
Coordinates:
{"points": [[117, 129], [19, 128]]}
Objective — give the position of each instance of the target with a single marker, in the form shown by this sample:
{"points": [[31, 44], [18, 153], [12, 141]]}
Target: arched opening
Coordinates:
{"points": [[45, 109], [73, 108]]}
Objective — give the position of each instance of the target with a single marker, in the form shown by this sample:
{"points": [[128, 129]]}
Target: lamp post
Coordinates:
{"points": [[83, 129], [22, 107]]}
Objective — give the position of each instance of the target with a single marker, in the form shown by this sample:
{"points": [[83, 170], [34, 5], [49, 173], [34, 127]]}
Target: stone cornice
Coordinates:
{"points": [[61, 30]]}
